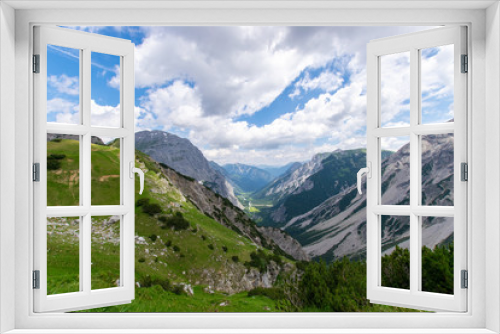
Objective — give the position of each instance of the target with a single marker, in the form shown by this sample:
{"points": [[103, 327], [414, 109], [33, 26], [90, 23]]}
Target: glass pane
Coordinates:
{"points": [[63, 255], [437, 169], [395, 89], [63, 85], [437, 82], [437, 254], [105, 156], [395, 237], [63, 170], [395, 170], [105, 91], [105, 252]]}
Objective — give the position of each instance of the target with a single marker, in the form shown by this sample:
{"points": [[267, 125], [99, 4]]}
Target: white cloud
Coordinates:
{"points": [[336, 117], [326, 81], [65, 84], [106, 116], [201, 79], [240, 70]]}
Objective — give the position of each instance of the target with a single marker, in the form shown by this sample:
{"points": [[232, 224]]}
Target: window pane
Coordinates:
{"points": [[105, 91], [437, 169], [395, 170], [105, 157], [105, 252], [63, 170], [395, 89], [437, 76], [395, 235], [63, 85], [437, 254], [63, 255]]}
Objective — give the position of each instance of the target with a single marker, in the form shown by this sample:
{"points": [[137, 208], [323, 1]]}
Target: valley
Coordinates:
{"points": [[200, 251]]}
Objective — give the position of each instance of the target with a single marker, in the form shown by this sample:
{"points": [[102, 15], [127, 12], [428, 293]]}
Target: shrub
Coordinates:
{"points": [[194, 230], [156, 260], [182, 255], [178, 290], [203, 237], [142, 201], [178, 222], [153, 237], [168, 243], [142, 260], [272, 293], [210, 246], [53, 164], [151, 209], [224, 248], [163, 219], [176, 248], [57, 156], [235, 258], [56, 140]]}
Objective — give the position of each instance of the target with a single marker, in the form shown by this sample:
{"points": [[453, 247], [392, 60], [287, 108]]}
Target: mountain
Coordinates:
{"points": [[181, 155], [337, 227], [247, 178], [278, 171], [93, 139], [326, 175], [291, 180]]}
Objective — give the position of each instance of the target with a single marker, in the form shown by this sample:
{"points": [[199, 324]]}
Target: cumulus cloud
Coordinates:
{"points": [[240, 70], [199, 81], [64, 84]]}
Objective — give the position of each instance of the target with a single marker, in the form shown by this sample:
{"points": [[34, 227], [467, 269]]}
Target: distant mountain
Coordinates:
{"points": [[278, 171], [326, 175], [181, 155], [291, 180], [337, 227], [93, 139], [247, 178]]}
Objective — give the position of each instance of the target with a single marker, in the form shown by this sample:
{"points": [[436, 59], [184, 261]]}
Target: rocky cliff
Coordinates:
{"points": [[181, 155]]}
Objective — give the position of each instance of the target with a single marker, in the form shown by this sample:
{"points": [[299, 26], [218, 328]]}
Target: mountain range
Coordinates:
{"points": [[316, 202]]}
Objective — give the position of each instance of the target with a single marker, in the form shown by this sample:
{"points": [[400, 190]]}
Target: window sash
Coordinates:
{"points": [[86, 297], [413, 298]]}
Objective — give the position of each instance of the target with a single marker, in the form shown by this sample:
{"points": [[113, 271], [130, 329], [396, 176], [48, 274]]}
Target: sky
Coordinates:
{"points": [[253, 94]]}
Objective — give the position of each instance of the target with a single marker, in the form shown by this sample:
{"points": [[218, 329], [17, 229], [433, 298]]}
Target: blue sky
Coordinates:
{"points": [[255, 95]]}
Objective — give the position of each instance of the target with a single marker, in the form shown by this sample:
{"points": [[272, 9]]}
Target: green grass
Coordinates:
{"points": [[155, 299]]}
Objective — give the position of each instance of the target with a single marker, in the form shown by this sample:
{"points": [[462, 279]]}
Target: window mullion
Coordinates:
{"points": [[414, 170], [86, 243]]}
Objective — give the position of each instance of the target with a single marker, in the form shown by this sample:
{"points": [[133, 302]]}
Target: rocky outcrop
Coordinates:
{"points": [[288, 244], [234, 278], [181, 155]]}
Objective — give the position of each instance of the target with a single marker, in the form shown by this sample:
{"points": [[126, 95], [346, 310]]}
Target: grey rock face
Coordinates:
{"points": [[337, 227], [181, 155], [292, 180], [288, 244]]}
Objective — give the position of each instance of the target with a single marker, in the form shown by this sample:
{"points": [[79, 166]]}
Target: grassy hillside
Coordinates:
{"points": [[164, 256], [183, 258]]}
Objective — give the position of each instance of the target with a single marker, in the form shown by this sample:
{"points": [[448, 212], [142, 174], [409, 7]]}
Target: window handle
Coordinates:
{"points": [[133, 170], [366, 170]]}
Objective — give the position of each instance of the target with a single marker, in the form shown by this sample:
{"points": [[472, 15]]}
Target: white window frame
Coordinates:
{"points": [[413, 44], [86, 297], [484, 49]]}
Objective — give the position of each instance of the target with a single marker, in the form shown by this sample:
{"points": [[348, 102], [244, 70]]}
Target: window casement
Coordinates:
{"points": [[412, 216], [84, 204]]}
